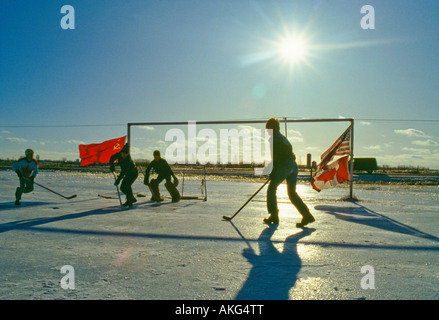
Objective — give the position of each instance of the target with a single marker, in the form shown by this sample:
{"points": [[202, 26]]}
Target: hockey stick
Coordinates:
{"points": [[117, 188], [141, 195], [71, 197], [230, 218]]}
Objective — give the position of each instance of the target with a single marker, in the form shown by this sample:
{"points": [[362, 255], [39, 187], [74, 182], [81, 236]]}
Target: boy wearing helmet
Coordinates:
{"points": [[26, 169]]}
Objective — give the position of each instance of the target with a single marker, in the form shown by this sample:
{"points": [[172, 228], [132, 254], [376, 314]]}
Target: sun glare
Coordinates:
{"points": [[291, 50]]}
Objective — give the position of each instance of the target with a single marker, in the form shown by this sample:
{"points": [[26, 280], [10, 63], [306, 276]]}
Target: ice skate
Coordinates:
{"points": [[305, 220], [272, 219]]}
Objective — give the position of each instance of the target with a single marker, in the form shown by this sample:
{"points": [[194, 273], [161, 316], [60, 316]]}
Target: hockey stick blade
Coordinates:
{"points": [[227, 218], [71, 197], [106, 197]]}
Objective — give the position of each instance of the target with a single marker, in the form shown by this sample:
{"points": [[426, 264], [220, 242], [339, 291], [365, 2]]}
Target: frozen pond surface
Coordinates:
{"points": [[185, 251]]}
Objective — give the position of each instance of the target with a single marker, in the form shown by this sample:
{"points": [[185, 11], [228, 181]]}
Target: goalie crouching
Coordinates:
{"points": [[164, 171]]}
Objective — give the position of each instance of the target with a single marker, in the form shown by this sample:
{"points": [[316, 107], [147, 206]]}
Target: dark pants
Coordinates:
{"points": [[127, 182], [162, 177], [26, 186], [287, 170]]}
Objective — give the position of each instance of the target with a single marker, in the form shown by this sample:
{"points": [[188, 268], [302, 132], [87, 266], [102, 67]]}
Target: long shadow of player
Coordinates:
{"points": [[26, 224], [273, 273]]}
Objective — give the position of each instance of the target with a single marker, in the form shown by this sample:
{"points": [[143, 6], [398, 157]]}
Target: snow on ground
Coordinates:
{"points": [[185, 251]]}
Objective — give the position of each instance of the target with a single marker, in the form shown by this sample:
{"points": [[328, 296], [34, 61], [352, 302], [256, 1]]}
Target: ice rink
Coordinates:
{"points": [[384, 246]]}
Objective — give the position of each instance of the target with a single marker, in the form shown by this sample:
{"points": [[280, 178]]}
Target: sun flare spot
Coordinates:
{"points": [[292, 49]]}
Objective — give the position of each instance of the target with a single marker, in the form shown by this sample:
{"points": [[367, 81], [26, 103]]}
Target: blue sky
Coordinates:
{"points": [[181, 60]]}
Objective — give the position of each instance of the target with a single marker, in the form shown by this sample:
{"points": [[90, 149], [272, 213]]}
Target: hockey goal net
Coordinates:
{"points": [[198, 151]]}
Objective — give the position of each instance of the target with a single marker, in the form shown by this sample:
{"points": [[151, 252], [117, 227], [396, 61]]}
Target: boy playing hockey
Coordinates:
{"points": [[284, 168], [164, 171], [128, 173], [26, 169]]}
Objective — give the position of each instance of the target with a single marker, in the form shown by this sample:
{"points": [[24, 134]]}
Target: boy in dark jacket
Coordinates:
{"points": [[128, 173], [284, 167], [164, 171]]}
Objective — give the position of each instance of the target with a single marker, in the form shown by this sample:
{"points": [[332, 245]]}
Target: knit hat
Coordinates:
{"points": [[126, 148], [28, 151]]}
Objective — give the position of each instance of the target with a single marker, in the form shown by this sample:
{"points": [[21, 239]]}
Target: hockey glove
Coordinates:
{"points": [[175, 183]]}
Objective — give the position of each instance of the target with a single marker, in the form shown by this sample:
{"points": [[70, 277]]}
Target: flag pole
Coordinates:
{"points": [[351, 163], [129, 133]]}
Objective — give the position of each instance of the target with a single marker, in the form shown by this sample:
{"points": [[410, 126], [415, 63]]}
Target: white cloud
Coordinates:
{"points": [[296, 139], [412, 133], [250, 128], [418, 151], [426, 143], [294, 135], [408, 159], [388, 144], [76, 142], [147, 128], [365, 123], [15, 139], [374, 148]]}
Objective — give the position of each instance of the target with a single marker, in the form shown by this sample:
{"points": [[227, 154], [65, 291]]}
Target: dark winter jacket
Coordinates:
{"points": [[282, 149], [127, 165], [161, 167]]}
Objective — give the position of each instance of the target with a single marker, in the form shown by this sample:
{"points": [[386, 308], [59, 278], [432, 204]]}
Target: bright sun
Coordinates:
{"points": [[291, 49]]}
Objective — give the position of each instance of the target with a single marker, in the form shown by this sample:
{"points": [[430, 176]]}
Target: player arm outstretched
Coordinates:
{"points": [[148, 169]]}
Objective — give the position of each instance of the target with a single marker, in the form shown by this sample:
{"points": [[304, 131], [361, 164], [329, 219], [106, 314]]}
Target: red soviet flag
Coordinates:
{"points": [[100, 152]]}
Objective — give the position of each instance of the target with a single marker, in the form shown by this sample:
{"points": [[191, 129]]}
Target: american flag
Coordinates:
{"points": [[340, 147]]}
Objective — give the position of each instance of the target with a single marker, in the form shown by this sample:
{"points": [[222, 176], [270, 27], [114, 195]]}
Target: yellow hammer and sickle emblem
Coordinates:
{"points": [[116, 146]]}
